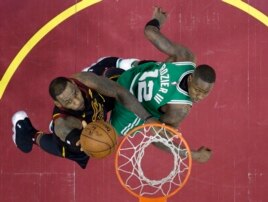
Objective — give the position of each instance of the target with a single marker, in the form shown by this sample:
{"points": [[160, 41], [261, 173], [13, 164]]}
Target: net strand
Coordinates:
{"points": [[136, 174]]}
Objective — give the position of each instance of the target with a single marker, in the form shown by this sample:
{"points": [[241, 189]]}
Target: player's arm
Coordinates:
{"points": [[175, 52], [174, 114], [68, 129], [68, 125], [110, 88]]}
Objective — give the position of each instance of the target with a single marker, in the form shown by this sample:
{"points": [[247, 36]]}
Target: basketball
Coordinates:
{"points": [[98, 139]]}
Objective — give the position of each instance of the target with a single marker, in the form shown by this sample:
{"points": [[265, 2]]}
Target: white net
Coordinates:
{"points": [[131, 166]]}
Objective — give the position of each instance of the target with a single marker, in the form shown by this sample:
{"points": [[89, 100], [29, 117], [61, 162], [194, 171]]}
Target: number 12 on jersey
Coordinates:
{"points": [[145, 85]]}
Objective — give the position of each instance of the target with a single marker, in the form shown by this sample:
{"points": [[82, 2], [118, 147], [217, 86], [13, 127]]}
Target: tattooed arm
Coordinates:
{"points": [[174, 114], [63, 126], [110, 88], [175, 52]]}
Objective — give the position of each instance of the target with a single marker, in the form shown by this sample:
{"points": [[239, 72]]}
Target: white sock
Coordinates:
{"points": [[126, 64]]}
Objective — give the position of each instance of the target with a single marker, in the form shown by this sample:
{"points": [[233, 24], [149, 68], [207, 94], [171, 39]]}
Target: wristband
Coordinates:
{"points": [[148, 117], [154, 22]]}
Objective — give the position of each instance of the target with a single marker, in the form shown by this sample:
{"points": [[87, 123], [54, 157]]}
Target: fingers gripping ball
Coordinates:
{"points": [[98, 139]]}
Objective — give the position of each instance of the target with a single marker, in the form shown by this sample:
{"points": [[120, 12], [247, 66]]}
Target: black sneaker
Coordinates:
{"points": [[23, 132]]}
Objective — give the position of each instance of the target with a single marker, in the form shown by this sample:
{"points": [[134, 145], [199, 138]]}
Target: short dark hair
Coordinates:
{"points": [[206, 73], [57, 86]]}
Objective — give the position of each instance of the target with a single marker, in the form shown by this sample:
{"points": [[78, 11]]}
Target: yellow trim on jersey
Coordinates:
{"points": [[113, 77], [55, 115], [102, 97], [63, 152], [90, 93]]}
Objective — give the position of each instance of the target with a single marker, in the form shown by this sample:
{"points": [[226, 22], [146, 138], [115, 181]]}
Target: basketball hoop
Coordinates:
{"points": [[130, 163]]}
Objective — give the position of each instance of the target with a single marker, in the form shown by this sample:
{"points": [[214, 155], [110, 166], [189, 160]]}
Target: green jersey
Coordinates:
{"points": [[154, 85]]}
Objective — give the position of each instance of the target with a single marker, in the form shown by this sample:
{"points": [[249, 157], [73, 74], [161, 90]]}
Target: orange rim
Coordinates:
{"points": [[156, 199]]}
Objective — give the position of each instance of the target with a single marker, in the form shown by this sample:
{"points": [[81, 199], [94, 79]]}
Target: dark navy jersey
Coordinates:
{"points": [[96, 105], [96, 108]]}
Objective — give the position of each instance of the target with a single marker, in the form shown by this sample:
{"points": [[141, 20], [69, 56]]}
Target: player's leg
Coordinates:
{"points": [[53, 145], [49, 145], [101, 65], [127, 63], [25, 135], [105, 63], [145, 61], [80, 158]]}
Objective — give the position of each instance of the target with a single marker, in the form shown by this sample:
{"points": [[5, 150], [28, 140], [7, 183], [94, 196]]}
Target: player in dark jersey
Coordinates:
{"points": [[85, 97]]}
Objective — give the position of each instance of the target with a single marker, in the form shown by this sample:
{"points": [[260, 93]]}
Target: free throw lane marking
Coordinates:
{"points": [[38, 36], [249, 10]]}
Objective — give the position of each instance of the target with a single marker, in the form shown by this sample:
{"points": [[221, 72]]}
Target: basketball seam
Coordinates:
{"points": [[100, 126], [99, 142], [105, 137], [101, 150]]}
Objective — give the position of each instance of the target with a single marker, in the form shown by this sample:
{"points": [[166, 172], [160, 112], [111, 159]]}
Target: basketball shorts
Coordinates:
{"points": [[51, 144]]}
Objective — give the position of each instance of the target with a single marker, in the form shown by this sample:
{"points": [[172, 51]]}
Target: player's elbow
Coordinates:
{"points": [[150, 32], [174, 124], [184, 54]]}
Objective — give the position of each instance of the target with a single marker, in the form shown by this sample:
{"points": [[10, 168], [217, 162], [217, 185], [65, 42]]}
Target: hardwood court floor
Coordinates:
{"points": [[233, 120]]}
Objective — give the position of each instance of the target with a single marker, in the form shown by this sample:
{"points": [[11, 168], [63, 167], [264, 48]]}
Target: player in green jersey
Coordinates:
{"points": [[166, 89]]}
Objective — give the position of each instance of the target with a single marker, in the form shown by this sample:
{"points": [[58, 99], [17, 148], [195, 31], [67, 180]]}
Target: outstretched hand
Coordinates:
{"points": [[202, 155], [160, 15]]}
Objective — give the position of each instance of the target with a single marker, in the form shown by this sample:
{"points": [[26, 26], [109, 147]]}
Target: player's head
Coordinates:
{"points": [[201, 82], [66, 94]]}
